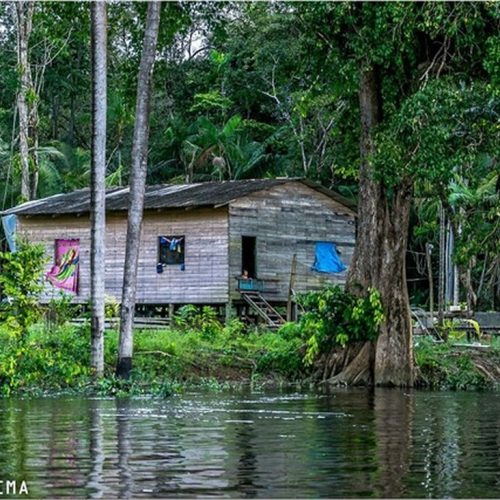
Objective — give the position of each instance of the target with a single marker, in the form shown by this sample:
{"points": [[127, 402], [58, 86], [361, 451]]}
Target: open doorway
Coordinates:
{"points": [[248, 255]]}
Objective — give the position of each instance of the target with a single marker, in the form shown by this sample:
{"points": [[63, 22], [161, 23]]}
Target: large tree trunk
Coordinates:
{"points": [[394, 347], [24, 15], [379, 262], [98, 184], [137, 189]]}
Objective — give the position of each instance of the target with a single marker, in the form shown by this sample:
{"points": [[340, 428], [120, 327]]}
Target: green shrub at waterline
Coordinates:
{"points": [[56, 357], [336, 317], [44, 359], [225, 353], [445, 366]]}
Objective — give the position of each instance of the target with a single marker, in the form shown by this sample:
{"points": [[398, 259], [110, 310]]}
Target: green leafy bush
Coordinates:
{"points": [[21, 284], [450, 330], [291, 330], [111, 307], [44, 359], [60, 310], [234, 327], [279, 355], [441, 366], [336, 317], [204, 320]]}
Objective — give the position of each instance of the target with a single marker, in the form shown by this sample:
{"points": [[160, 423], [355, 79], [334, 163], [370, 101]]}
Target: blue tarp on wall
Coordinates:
{"points": [[9, 223], [327, 259]]}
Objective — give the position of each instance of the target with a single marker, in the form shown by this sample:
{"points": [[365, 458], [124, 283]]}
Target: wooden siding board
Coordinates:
{"points": [[204, 279], [285, 220]]}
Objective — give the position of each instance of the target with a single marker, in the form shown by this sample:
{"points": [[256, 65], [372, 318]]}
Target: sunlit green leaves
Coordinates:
{"points": [[210, 101], [336, 317], [21, 284]]}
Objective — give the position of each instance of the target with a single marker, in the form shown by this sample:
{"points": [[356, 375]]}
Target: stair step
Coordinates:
{"points": [[264, 309]]}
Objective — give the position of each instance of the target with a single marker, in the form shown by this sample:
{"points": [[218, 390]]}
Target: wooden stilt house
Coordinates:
{"points": [[233, 243]]}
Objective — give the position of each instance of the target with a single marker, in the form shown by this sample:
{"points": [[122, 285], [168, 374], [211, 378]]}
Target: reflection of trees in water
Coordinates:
{"points": [[168, 453], [437, 443], [444, 444], [393, 410], [96, 449], [13, 439], [443, 448], [457, 448], [335, 453], [261, 459], [305, 446], [63, 452], [123, 447], [204, 453], [189, 450], [19, 431], [16, 436], [40, 443], [246, 468], [353, 442], [385, 443], [480, 444], [360, 447]]}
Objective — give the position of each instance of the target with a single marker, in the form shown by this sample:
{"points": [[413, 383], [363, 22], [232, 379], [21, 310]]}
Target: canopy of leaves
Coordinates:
{"points": [[271, 88]]}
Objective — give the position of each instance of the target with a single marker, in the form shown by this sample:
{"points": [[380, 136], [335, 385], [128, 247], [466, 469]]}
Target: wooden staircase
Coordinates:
{"points": [[262, 307]]}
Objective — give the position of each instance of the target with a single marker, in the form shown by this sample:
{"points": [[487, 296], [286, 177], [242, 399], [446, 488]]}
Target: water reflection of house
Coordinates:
{"points": [[198, 238]]}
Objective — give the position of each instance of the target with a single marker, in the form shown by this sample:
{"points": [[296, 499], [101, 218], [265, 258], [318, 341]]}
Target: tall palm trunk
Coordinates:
{"points": [[98, 183], [137, 189], [24, 17]]}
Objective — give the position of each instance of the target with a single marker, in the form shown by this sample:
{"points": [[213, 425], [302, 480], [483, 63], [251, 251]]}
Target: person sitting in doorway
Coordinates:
{"points": [[245, 275]]}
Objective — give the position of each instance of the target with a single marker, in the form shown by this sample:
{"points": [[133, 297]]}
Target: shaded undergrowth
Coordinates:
{"points": [[463, 367], [57, 358]]}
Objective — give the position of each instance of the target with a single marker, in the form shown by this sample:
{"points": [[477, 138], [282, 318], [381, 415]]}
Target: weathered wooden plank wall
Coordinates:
{"points": [[287, 220], [204, 280]]}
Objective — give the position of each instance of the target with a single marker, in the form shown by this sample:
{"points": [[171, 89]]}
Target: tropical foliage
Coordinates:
{"points": [[267, 89], [336, 317], [55, 357], [21, 283]]}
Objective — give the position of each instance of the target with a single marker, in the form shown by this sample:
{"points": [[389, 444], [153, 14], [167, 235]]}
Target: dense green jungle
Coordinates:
{"points": [[249, 90], [262, 90], [384, 385]]}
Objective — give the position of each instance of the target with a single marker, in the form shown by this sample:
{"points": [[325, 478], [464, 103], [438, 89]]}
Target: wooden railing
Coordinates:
{"points": [[250, 285]]}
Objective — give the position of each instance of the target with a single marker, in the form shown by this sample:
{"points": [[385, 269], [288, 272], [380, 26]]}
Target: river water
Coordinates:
{"points": [[344, 443]]}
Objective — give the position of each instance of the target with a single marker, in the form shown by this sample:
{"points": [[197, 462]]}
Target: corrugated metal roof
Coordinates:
{"points": [[203, 194]]}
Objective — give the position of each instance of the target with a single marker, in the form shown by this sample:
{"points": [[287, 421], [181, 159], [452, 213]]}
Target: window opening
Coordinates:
{"points": [[171, 250]]}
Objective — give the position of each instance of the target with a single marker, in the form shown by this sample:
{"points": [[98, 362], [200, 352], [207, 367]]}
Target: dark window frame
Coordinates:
{"points": [[169, 257]]}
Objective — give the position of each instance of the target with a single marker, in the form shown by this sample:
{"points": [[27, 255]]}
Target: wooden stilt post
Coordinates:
{"points": [[293, 272], [228, 311]]}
